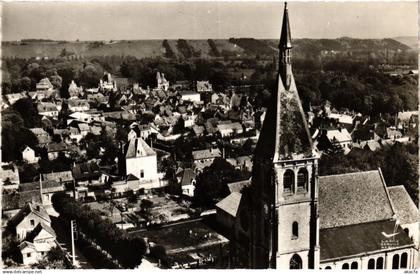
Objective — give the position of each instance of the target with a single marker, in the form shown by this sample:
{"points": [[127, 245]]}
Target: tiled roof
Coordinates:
{"points": [[360, 239], [138, 148], [188, 176], [18, 200], [339, 135], [230, 204], [407, 212], [206, 153], [56, 176], [353, 198]]}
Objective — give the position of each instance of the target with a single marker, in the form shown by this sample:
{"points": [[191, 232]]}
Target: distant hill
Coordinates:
{"points": [[232, 47], [410, 41]]}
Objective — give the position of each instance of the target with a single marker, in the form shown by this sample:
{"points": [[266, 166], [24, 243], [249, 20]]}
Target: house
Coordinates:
{"points": [[62, 177], [74, 90], [393, 133], [404, 117], [37, 244], [340, 137], [204, 86], [14, 97], [9, 176], [46, 188], [86, 173], [130, 183], [106, 83], [54, 150], [230, 129], [44, 84], [187, 180], [28, 155], [162, 83], [42, 136], [78, 105], [28, 218], [141, 161], [189, 95], [47, 109], [205, 157]]}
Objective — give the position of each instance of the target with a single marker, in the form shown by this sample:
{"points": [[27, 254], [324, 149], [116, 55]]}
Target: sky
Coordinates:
{"points": [[203, 20]]}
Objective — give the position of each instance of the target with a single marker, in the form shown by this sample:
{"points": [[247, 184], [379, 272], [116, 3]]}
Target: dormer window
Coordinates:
{"points": [[288, 181]]}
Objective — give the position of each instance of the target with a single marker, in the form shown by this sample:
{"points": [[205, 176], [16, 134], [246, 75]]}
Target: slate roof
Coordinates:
{"points": [[26, 210], [285, 133], [46, 186], [338, 135], [188, 176], [353, 198], [18, 200], [138, 148], [238, 186], [31, 236], [46, 106], [359, 239], [230, 204], [407, 212]]}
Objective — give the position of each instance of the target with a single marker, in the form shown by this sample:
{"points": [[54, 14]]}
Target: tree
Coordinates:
{"points": [[55, 259], [28, 112], [212, 182]]}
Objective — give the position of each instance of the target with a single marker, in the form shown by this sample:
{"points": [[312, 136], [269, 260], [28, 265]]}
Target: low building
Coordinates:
{"points": [[9, 176], [47, 109], [340, 137], [205, 157], [230, 129], [28, 155], [190, 95], [44, 84], [186, 178], [76, 105], [204, 86]]}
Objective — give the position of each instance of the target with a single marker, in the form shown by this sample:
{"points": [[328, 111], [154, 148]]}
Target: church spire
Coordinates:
{"points": [[285, 50], [285, 133], [285, 37]]}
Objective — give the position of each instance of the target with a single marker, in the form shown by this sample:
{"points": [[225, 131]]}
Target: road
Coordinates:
{"points": [[64, 238]]}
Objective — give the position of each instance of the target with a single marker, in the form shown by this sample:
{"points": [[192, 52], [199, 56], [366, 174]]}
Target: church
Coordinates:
{"points": [[289, 217]]}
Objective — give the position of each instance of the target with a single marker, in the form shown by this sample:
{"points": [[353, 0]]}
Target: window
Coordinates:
{"points": [[328, 267], [371, 264], [28, 255], [406, 230], [380, 263], [295, 230], [295, 262], [302, 179], [396, 261], [32, 223], [354, 265], [404, 259], [141, 173], [288, 181], [345, 266]]}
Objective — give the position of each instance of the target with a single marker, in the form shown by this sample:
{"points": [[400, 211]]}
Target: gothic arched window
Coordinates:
{"points": [[302, 179], [295, 230], [396, 261], [345, 266], [371, 264], [288, 181], [380, 263], [404, 260], [295, 262]]}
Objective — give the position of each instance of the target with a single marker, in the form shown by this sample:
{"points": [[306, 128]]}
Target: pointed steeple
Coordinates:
{"points": [[285, 37], [284, 134]]}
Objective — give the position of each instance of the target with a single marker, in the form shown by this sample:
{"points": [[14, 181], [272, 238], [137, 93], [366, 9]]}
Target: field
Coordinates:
{"points": [[151, 48]]}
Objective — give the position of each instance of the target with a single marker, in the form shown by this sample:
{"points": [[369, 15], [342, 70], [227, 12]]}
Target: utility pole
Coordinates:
{"points": [[73, 228]]}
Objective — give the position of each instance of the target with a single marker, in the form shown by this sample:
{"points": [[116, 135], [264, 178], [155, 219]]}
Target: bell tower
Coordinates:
{"points": [[283, 195]]}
